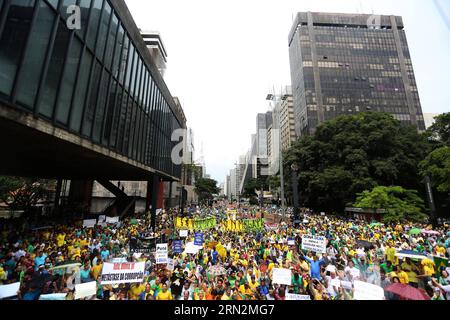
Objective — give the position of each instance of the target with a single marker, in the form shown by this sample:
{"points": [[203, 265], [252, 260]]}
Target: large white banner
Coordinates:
{"points": [[115, 273], [84, 290], [282, 276], [9, 290], [367, 291], [89, 223], [162, 253], [292, 296], [314, 243]]}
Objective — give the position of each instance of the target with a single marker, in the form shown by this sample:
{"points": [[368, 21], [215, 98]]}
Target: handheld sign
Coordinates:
{"points": [[183, 233], [282, 276], [161, 253], [177, 246], [368, 291], [116, 273], [198, 239], [9, 290], [84, 290], [316, 244], [89, 223]]}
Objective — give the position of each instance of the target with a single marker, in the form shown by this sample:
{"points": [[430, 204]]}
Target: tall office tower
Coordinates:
{"points": [[156, 48], [342, 64]]}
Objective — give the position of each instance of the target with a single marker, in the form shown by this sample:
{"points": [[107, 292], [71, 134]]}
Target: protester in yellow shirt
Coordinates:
{"points": [[136, 290], [95, 271], [164, 294], [402, 275], [390, 255], [60, 239], [411, 270]]}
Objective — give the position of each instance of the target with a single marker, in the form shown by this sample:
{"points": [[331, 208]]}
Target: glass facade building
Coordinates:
{"points": [[96, 81], [343, 64]]}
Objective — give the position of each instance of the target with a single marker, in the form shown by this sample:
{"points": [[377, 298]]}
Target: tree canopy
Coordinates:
{"points": [[437, 166], [440, 130], [401, 204], [22, 193], [205, 188], [350, 154]]}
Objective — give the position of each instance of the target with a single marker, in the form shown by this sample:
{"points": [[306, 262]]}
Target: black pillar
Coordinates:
{"points": [[152, 199], [57, 196], [170, 194], [295, 192]]}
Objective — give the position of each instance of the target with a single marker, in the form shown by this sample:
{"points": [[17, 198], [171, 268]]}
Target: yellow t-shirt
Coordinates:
{"points": [[96, 270], [408, 268], [403, 276], [429, 271], [60, 239], [390, 254], [164, 295], [136, 290]]}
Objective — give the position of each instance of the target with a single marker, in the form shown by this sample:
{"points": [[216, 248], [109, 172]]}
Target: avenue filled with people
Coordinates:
{"points": [[226, 252]]}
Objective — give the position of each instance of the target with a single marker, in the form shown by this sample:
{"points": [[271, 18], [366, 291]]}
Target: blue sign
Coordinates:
{"points": [[198, 239], [177, 246]]}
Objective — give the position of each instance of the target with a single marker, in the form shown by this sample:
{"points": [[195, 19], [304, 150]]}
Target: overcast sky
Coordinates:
{"points": [[225, 56]]}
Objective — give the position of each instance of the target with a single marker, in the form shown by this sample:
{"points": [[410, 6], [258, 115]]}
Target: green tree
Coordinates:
{"points": [[437, 166], [440, 130], [250, 187], [401, 204], [350, 154], [23, 193], [206, 188]]}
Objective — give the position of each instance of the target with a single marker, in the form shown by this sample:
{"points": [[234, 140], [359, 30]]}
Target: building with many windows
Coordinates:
{"points": [[342, 64], [91, 91]]}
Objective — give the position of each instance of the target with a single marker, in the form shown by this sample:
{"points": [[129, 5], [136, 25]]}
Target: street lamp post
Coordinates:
{"points": [[295, 169], [430, 198]]}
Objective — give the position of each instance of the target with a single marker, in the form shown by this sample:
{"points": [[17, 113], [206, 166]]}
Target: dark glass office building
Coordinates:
{"points": [[342, 64], [98, 81]]}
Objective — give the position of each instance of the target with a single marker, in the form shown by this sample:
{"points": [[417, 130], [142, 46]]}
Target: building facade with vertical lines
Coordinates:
{"points": [[342, 64]]}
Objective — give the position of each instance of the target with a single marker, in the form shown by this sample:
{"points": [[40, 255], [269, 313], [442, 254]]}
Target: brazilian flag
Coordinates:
{"points": [[441, 263]]}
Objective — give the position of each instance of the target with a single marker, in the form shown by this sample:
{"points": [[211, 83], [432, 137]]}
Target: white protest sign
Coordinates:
{"points": [[335, 282], [368, 291], [89, 223], [112, 219], [9, 290], [53, 297], [282, 276], [84, 290], [183, 233], [116, 273], [191, 248], [170, 264], [314, 243], [347, 285], [292, 296], [162, 253], [291, 242], [101, 218]]}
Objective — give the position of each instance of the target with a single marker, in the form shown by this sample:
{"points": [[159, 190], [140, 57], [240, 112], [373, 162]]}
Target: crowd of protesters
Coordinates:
{"points": [[231, 265]]}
